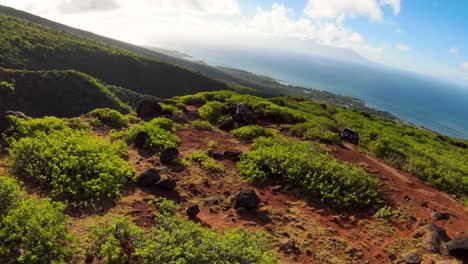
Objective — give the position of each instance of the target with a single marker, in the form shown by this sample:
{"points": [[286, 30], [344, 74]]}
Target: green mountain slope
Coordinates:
{"points": [[25, 45], [58, 93]]}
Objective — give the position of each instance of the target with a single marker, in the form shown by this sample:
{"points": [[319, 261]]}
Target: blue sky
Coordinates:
{"points": [[427, 36]]}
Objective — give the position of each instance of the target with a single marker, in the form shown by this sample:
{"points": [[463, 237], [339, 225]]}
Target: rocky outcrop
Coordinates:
{"points": [[169, 155], [247, 199], [433, 237], [148, 178], [148, 110], [6, 123]]}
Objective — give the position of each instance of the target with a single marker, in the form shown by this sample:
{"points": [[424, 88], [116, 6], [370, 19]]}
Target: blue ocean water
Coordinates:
{"points": [[438, 105]]}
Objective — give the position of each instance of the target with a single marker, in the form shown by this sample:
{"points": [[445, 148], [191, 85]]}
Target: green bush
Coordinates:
{"points": [[159, 130], [202, 125], [168, 109], [109, 117], [114, 242], [212, 144], [306, 165], [206, 162], [74, 166], [322, 131], [10, 194], [249, 133], [211, 111], [46, 125], [36, 232], [177, 241], [196, 100]]}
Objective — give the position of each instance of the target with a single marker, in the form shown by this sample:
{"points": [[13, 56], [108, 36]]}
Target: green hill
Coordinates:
{"points": [[26, 45], [58, 93]]}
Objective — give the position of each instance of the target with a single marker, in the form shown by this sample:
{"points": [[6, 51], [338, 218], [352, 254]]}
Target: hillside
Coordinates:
{"points": [[187, 187], [25, 45], [57, 93], [263, 86]]}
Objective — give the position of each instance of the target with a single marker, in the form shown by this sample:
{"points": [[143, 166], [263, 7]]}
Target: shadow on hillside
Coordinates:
{"points": [[172, 195]]}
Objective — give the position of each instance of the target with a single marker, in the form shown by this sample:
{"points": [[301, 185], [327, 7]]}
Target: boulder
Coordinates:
{"points": [[215, 154], [141, 139], [247, 199], [193, 210], [438, 216], [244, 116], [148, 110], [458, 248], [433, 237], [412, 258], [233, 155], [5, 121], [167, 184], [148, 178], [169, 155], [227, 125]]}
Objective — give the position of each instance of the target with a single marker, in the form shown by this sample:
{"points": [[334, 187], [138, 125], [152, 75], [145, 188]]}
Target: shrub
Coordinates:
{"points": [[75, 166], [212, 144], [10, 195], [159, 130], [113, 243], [304, 164], [202, 125], [316, 131], [36, 232], [168, 109], [206, 162], [109, 117], [177, 241], [46, 125], [211, 111], [196, 100], [249, 133]]}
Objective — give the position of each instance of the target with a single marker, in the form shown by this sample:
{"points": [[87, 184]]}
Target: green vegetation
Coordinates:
{"points": [[59, 93], [249, 133], [321, 129], [32, 230], [174, 240], [212, 144], [202, 125], [211, 111], [206, 162], [436, 159], [113, 242], [25, 45], [75, 166], [306, 165], [109, 117], [159, 131]]}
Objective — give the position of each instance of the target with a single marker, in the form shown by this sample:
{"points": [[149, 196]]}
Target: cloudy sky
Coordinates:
{"points": [[428, 36]]}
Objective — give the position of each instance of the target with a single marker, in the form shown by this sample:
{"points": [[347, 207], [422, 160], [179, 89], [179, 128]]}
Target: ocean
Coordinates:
{"points": [[438, 105]]}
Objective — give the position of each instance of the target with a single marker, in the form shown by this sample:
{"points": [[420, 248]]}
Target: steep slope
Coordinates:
{"points": [[25, 45], [58, 93]]}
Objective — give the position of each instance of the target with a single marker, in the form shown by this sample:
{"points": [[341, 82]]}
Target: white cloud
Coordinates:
{"points": [[349, 8], [402, 47], [454, 50], [77, 6], [464, 66]]}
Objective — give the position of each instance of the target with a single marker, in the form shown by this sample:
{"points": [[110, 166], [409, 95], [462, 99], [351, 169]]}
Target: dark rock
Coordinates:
{"points": [[244, 116], [233, 155], [148, 110], [291, 246], [432, 237], [227, 125], [141, 139], [458, 248], [169, 155], [439, 216], [215, 154], [412, 258], [167, 184], [6, 123], [193, 210], [148, 178], [247, 199]]}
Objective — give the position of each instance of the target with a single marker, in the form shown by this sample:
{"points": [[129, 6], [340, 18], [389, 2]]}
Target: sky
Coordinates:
{"points": [[426, 36]]}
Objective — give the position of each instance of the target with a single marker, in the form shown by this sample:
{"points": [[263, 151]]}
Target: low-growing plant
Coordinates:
{"points": [[196, 100], [206, 162], [10, 195], [108, 117], [305, 165], [159, 131], [35, 231], [202, 125], [113, 242], [212, 144], [168, 109], [74, 166], [249, 133], [177, 241], [211, 111]]}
